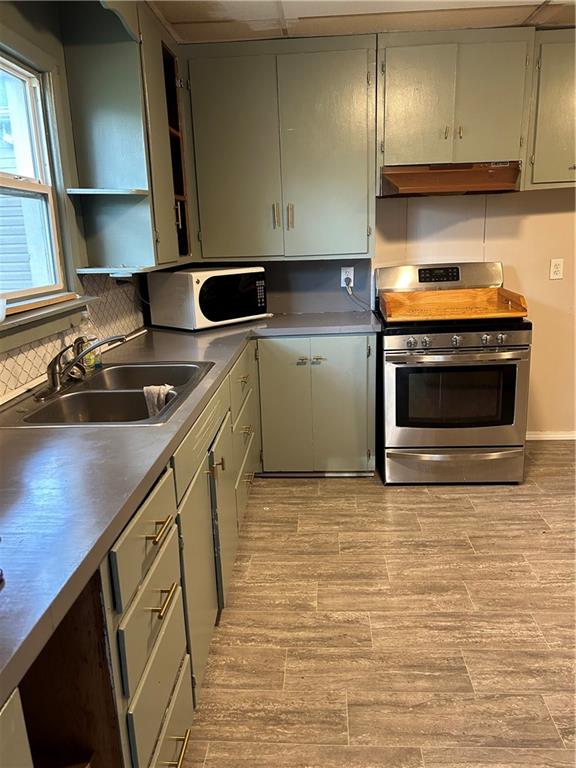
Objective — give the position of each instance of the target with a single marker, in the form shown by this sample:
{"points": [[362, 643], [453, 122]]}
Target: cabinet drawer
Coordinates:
{"points": [[143, 621], [137, 547], [14, 747], [243, 377], [148, 707], [247, 426], [193, 448], [175, 732]]}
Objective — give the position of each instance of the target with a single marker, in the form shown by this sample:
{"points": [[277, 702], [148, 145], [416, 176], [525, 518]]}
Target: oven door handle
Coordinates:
{"points": [[456, 457], [458, 357]]}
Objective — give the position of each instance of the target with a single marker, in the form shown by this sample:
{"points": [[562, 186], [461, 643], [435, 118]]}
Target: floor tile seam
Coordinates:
{"points": [[535, 620], [205, 761], [347, 717], [285, 670], [557, 729]]}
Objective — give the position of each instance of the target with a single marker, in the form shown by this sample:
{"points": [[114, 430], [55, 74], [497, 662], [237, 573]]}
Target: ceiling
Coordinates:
{"points": [[196, 21]]}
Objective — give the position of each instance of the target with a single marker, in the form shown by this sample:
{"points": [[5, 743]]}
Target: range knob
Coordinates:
{"points": [[425, 342], [411, 342], [457, 341], [485, 339], [501, 338]]}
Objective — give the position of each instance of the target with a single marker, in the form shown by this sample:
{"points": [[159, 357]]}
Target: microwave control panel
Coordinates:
{"points": [[261, 293]]}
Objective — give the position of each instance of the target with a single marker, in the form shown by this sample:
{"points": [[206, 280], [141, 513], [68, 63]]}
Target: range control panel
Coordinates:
{"points": [[422, 342], [439, 274]]}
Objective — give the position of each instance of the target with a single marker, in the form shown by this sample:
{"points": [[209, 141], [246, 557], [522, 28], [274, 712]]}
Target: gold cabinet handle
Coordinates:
{"points": [[243, 379], [157, 537], [276, 223], [317, 359], [221, 464], [460, 132], [249, 430], [446, 131], [163, 610], [302, 361], [249, 478], [290, 216], [180, 762]]}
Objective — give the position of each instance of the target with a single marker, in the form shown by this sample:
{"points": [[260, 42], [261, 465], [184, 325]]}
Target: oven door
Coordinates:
{"points": [[456, 398]]}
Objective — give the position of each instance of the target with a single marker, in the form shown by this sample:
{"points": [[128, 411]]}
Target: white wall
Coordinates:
{"points": [[524, 231]]}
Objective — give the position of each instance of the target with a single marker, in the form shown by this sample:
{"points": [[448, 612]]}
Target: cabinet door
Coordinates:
{"points": [[489, 101], [324, 134], [419, 104], [198, 568], [14, 747], [235, 121], [158, 136], [554, 156], [224, 503], [339, 367], [286, 404]]}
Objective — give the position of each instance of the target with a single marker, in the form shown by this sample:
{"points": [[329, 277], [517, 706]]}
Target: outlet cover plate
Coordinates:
{"points": [[344, 273], [556, 269]]}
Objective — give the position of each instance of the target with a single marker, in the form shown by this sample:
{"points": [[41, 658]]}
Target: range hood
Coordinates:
{"points": [[449, 178]]}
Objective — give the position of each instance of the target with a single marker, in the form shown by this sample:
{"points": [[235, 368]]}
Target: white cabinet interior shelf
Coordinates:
{"points": [[92, 191]]}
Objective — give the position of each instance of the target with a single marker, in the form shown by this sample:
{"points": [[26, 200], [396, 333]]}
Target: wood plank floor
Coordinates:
{"points": [[374, 627]]}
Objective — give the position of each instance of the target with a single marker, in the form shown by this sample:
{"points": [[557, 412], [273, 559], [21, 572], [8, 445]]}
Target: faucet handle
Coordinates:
{"points": [[78, 344]]}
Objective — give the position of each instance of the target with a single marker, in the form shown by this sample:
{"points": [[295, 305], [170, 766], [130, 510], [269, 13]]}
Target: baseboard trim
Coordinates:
{"points": [[551, 436]]}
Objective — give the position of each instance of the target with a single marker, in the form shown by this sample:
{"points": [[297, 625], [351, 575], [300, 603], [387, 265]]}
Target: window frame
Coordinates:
{"points": [[39, 97]]}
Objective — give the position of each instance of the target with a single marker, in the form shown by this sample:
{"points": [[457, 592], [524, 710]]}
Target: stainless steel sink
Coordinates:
{"points": [[138, 375], [112, 395], [91, 408]]}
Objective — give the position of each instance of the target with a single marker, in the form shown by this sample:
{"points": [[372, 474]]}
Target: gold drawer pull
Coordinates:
{"points": [[250, 478], [180, 762], [243, 380], [163, 610], [221, 464], [249, 430], [157, 537]]}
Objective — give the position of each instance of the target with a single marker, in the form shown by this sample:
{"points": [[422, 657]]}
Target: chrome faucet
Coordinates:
{"points": [[58, 371]]}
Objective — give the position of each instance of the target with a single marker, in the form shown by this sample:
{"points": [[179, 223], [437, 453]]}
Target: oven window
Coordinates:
{"points": [[455, 396], [226, 297]]}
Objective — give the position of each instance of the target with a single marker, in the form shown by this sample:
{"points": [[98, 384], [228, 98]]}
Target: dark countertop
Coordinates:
{"points": [[66, 493]]}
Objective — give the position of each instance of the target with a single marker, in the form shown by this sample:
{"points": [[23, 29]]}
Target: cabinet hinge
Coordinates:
{"points": [[256, 353], [369, 453], [532, 159], [521, 141], [369, 78], [369, 230], [194, 682], [199, 235], [539, 64], [369, 350], [181, 83], [383, 68], [156, 236], [261, 455], [382, 147], [527, 60]]}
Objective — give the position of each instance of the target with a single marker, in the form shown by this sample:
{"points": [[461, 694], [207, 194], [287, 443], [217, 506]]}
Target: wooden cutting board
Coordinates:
{"points": [[458, 304]]}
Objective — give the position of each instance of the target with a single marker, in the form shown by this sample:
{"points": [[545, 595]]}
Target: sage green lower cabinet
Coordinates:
{"points": [[221, 464], [554, 158], [317, 397], [14, 747], [198, 568], [175, 732], [286, 404]]}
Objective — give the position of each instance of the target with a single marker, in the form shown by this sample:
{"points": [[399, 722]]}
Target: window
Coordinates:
{"points": [[30, 262]]}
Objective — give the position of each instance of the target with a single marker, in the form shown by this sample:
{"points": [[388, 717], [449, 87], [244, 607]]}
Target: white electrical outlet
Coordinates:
{"points": [[556, 269], [346, 273]]}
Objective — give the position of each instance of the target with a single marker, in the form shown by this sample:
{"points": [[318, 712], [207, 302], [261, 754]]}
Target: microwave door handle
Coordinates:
{"points": [[452, 458]]}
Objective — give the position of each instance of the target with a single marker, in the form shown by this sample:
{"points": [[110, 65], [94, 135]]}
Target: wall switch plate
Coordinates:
{"points": [[346, 272], [556, 269]]}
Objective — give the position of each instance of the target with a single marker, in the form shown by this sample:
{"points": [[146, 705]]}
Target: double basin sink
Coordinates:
{"points": [[112, 395]]}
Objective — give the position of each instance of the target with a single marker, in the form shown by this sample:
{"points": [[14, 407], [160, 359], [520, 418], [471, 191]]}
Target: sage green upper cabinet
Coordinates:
{"points": [[153, 39], [284, 138], [324, 115], [455, 97], [489, 101], [235, 109], [317, 403], [419, 104], [554, 156]]}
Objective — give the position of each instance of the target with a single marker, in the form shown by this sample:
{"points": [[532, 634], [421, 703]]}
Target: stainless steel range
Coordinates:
{"points": [[454, 392]]}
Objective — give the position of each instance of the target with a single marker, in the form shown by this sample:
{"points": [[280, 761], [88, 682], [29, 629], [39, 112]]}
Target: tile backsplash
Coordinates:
{"points": [[118, 311]]}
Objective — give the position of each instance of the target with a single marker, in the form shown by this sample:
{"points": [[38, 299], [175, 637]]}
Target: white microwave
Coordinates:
{"points": [[201, 298]]}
